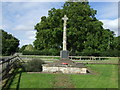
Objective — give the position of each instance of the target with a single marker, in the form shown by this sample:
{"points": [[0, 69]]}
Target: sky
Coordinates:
{"points": [[19, 18]]}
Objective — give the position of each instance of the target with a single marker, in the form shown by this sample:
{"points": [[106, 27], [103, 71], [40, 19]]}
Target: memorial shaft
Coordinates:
{"points": [[64, 33], [64, 54]]}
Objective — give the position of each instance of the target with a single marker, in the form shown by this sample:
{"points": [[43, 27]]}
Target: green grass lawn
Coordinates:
{"points": [[104, 76], [98, 61]]}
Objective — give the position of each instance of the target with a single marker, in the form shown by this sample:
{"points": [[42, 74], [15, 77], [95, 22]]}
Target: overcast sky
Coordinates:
{"points": [[19, 18]]}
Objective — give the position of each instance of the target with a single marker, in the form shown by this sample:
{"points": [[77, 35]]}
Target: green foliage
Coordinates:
{"points": [[111, 53], [34, 65], [84, 32], [29, 48], [9, 43], [31, 52], [22, 48], [42, 52], [116, 43], [90, 52]]}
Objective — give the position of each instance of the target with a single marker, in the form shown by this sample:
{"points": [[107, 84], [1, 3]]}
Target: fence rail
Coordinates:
{"points": [[70, 57], [9, 65], [57, 56], [78, 59]]}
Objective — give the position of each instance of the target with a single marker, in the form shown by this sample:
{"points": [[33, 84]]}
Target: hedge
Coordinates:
{"points": [[110, 53], [42, 52]]}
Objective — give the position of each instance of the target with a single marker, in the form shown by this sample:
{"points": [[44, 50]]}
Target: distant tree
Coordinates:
{"points": [[29, 48], [9, 43], [22, 48], [85, 33]]}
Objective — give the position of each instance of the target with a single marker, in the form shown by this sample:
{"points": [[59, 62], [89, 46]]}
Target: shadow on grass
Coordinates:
{"points": [[11, 78]]}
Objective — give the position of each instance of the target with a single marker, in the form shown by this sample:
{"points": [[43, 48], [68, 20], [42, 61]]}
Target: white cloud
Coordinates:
{"points": [[0, 27], [111, 24], [25, 42], [31, 35], [18, 16], [30, 32], [23, 27], [23, 16]]}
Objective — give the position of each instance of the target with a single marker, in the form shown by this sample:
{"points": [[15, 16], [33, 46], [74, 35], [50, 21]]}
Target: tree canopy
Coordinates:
{"points": [[9, 43], [29, 48], [22, 48], [85, 33]]}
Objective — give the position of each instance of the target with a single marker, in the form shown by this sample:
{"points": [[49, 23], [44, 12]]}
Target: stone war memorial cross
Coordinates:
{"points": [[64, 53], [64, 65]]}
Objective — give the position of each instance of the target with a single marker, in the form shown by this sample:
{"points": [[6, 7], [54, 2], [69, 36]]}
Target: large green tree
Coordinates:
{"points": [[84, 31], [9, 43]]}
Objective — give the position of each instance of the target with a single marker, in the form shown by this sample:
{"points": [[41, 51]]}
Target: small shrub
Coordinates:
{"points": [[34, 65]]}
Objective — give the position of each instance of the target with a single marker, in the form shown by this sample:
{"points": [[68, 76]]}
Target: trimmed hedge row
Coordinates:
{"points": [[43, 52], [110, 53], [107, 53]]}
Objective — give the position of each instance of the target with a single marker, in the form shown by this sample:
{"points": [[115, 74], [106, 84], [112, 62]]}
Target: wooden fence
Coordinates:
{"points": [[70, 57], [78, 59], [9, 67]]}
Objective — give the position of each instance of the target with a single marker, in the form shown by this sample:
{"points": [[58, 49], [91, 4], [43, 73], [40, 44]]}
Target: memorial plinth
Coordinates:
{"points": [[65, 66]]}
